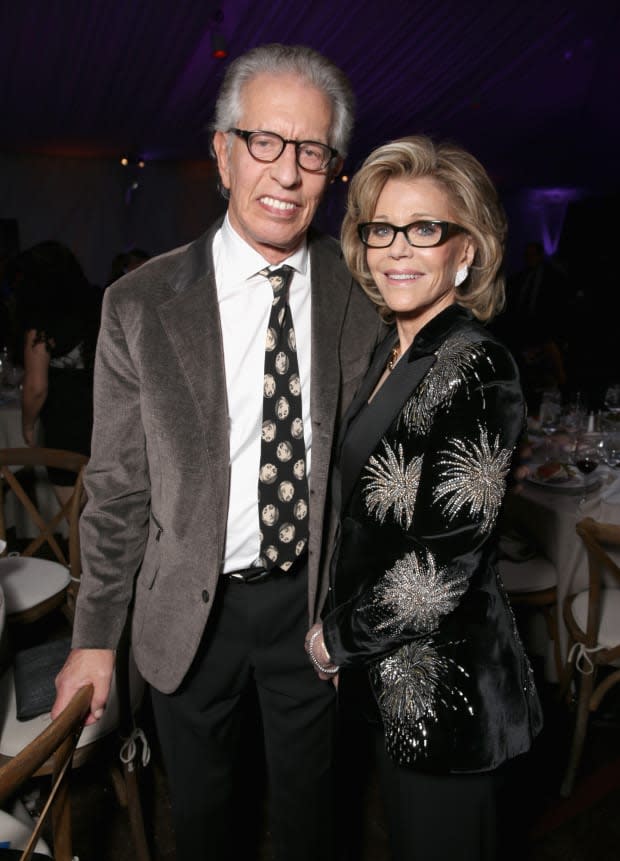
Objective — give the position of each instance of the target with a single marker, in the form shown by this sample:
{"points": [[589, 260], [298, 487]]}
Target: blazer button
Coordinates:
{"points": [[205, 596]]}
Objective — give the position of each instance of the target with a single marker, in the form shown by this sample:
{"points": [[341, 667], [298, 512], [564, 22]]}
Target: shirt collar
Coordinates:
{"points": [[243, 262]]}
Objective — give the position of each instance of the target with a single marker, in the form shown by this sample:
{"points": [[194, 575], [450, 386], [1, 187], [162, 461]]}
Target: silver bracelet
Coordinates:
{"points": [[331, 670]]}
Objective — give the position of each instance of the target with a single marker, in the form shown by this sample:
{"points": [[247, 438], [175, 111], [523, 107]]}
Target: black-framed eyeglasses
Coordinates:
{"points": [[269, 146], [421, 234]]}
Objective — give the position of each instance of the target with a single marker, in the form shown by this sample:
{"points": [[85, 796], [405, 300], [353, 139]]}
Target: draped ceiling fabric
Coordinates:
{"points": [[530, 87]]}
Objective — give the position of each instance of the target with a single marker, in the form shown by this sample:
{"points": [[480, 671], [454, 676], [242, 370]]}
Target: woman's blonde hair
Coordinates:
{"points": [[472, 196]]}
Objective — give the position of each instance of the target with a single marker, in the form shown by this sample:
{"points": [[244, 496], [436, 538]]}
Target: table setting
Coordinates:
{"points": [[573, 461]]}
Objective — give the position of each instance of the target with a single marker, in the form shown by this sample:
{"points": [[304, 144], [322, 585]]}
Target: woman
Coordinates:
{"points": [[59, 315], [424, 457]]}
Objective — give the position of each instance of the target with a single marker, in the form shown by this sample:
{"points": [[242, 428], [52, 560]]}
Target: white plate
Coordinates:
{"points": [[568, 485]]}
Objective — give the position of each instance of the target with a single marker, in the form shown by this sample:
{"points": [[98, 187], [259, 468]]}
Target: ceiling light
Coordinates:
{"points": [[219, 46]]}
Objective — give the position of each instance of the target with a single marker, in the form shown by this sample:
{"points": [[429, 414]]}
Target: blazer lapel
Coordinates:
{"points": [[191, 320], [367, 426], [329, 302], [369, 382]]}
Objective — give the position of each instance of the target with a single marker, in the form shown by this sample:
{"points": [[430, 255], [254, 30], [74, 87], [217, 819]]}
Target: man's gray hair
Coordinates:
{"points": [[299, 60]]}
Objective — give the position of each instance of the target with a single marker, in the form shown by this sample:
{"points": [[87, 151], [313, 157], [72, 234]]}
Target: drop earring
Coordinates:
{"points": [[461, 275]]}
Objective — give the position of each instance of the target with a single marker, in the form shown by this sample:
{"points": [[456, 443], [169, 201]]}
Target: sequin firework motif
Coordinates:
{"points": [[415, 592], [474, 477], [456, 361], [392, 484], [413, 685]]}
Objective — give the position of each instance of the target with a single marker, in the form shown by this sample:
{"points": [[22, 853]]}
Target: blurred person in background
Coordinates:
{"points": [[126, 262], [58, 312]]}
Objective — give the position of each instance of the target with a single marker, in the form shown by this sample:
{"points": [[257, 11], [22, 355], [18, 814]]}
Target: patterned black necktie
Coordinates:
{"points": [[282, 483]]}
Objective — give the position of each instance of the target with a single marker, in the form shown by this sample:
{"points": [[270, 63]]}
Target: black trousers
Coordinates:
{"points": [[439, 817], [255, 636]]}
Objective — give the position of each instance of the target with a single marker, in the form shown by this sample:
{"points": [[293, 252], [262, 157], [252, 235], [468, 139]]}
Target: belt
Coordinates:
{"points": [[254, 576]]}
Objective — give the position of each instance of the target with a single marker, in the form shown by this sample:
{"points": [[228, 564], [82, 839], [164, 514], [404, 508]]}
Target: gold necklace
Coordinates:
{"points": [[394, 354]]}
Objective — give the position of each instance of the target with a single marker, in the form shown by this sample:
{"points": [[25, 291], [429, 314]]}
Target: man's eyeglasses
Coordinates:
{"points": [[421, 234], [268, 146]]}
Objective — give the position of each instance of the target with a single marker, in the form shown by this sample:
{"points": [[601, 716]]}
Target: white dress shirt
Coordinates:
{"points": [[245, 299]]}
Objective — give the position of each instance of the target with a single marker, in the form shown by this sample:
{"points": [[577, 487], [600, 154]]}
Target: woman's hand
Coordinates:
{"points": [[316, 650], [29, 435]]}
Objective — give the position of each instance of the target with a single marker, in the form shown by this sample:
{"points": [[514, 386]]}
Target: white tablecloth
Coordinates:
{"points": [[11, 437], [10, 421], [547, 518]]}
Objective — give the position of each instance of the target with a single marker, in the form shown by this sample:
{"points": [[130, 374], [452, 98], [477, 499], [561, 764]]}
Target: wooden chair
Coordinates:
{"points": [[116, 726], [533, 583], [55, 746], [109, 736], [593, 621], [33, 586]]}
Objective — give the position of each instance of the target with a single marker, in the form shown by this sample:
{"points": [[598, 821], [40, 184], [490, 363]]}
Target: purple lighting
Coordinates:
{"points": [[547, 210]]}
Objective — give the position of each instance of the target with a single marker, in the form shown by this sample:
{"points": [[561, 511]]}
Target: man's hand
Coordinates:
{"points": [[83, 667]]}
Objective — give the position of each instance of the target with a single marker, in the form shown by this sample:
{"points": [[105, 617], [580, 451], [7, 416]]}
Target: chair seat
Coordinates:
{"points": [[532, 575], [15, 834], [27, 582], [15, 734], [609, 628]]}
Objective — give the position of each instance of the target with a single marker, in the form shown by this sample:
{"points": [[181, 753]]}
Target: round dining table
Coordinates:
{"points": [[545, 514]]}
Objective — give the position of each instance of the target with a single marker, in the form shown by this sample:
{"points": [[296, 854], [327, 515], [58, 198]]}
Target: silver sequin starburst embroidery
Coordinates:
{"points": [[417, 592], [456, 360], [412, 685], [474, 477], [392, 484]]}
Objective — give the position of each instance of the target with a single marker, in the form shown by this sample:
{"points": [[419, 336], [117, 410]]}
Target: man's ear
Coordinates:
{"points": [[220, 148]]}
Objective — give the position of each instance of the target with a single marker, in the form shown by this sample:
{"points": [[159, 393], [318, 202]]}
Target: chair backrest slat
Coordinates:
{"points": [[57, 741], [12, 461]]}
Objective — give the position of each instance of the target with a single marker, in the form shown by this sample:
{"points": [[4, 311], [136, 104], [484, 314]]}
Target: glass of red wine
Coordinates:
{"points": [[587, 457]]}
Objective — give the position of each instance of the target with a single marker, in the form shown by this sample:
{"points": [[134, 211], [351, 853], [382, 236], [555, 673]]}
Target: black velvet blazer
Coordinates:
{"points": [[416, 594]]}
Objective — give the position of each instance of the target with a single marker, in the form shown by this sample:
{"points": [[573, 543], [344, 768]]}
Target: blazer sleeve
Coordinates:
{"points": [[427, 508], [114, 524]]}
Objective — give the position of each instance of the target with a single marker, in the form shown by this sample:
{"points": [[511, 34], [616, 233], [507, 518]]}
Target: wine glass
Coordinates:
{"points": [[573, 423], [574, 417], [587, 457], [611, 449], [612, 399], [549, 415]]}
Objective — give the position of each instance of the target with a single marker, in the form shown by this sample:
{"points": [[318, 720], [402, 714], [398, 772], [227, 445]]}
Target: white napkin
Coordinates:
{"points": [[2, 545], [611, 489]]}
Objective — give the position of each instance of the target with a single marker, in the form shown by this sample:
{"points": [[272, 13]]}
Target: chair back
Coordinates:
{"points": [[14, 459], [598, 538], [592, 617], [57, 741]]}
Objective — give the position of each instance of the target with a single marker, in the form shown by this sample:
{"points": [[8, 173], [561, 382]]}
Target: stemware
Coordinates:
{"points": [[587, 456], [574, 416], [549, 417], [612, 399], [611, 449], [550, 411]]}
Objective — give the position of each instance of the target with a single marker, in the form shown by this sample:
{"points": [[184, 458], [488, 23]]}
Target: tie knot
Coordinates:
{"points": [[278, 278]]}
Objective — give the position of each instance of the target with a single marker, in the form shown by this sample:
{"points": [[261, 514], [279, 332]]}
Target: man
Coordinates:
{"points": [[180, 393]]}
